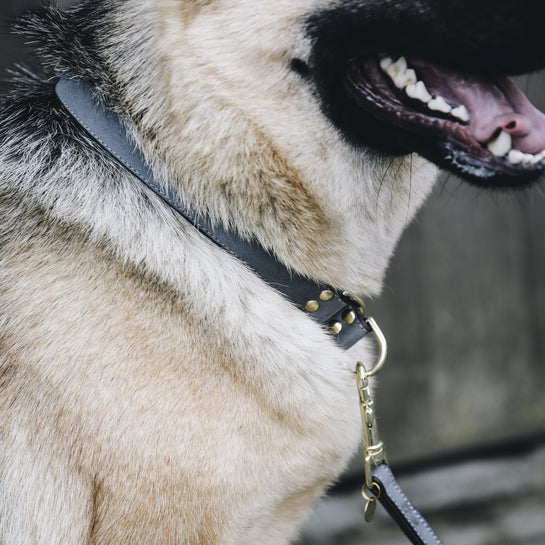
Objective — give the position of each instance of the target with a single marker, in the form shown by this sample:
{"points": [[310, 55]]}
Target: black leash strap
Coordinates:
{"points": [[321, 302], [402, 510]]}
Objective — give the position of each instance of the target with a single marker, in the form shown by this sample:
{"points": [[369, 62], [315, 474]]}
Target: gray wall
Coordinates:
{"points": [[464, 309], [11, 47]]}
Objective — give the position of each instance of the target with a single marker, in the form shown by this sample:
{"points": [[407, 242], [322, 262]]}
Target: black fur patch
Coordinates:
{"points": [[485, 36], [68, 42]]}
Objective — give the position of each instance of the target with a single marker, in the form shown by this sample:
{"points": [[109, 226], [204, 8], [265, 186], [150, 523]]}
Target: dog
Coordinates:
{"points": [[154, 389]]}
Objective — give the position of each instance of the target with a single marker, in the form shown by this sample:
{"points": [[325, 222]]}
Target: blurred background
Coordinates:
{"points": [[462, 399]]}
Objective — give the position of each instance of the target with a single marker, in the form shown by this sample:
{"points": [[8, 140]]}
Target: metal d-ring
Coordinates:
{"points": [[382, 344], [379, 336]]}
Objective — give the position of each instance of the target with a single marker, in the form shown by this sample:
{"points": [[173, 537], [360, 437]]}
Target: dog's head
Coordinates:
{"points": [[345, 92], [399, 76], [304, 123]]}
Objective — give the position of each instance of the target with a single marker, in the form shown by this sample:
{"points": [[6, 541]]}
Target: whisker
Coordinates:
{"points": [[381, 184], [407, 215]]}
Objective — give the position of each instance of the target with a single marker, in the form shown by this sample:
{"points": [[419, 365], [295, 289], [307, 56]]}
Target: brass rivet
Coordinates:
{"points": [[312, 306], [349, 318], [327, 295], [335, 328]]}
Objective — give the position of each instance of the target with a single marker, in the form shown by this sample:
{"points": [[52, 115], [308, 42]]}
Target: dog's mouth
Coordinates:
{"points": [[481, 127]]}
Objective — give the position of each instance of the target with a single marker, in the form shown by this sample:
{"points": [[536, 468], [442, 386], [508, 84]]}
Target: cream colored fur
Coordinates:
{"points": [[154, 390]]}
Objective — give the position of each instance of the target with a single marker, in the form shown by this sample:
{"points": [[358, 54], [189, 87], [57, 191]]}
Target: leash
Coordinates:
{"points": [[380, 483], [342, 314]]}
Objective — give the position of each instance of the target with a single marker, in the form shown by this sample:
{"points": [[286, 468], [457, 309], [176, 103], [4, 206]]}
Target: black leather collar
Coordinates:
{"points": [[341, 314]]}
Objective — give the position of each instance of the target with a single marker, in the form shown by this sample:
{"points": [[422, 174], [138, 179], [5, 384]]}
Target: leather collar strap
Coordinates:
{"points": [[336, 311]]}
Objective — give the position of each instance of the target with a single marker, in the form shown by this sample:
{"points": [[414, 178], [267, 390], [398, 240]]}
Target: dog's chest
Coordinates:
{"points": [[168, 416]]}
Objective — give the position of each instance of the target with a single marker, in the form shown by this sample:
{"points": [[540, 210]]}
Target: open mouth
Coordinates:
{"points": [[481, 127]]}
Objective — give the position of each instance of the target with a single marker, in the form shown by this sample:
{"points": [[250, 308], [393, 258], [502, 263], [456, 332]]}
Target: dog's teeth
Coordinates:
{"points": [[461, 113], [515, 156], [500, 145], [540, 156], [399, 73], [407, 78], [536, 158], [411, 90], [439, 104], [397, 69], [386, 62], [418, 91], [400, 65]]}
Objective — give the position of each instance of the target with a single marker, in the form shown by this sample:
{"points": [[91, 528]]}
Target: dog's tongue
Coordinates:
{"points": [[499, 105], [494, 105]]}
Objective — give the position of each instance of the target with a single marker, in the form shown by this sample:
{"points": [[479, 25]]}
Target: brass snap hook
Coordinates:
{"points": [[374, 453], [373, 494], [371, 501]]}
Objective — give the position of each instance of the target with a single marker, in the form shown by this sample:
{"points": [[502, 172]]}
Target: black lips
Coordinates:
{"points": [[489, 38]]}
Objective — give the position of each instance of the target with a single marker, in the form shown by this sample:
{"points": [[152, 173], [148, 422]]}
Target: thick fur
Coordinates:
{"points": [[152, 389]]}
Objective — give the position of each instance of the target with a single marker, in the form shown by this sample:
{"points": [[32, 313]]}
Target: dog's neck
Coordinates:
{"points": [[342, 314]]}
